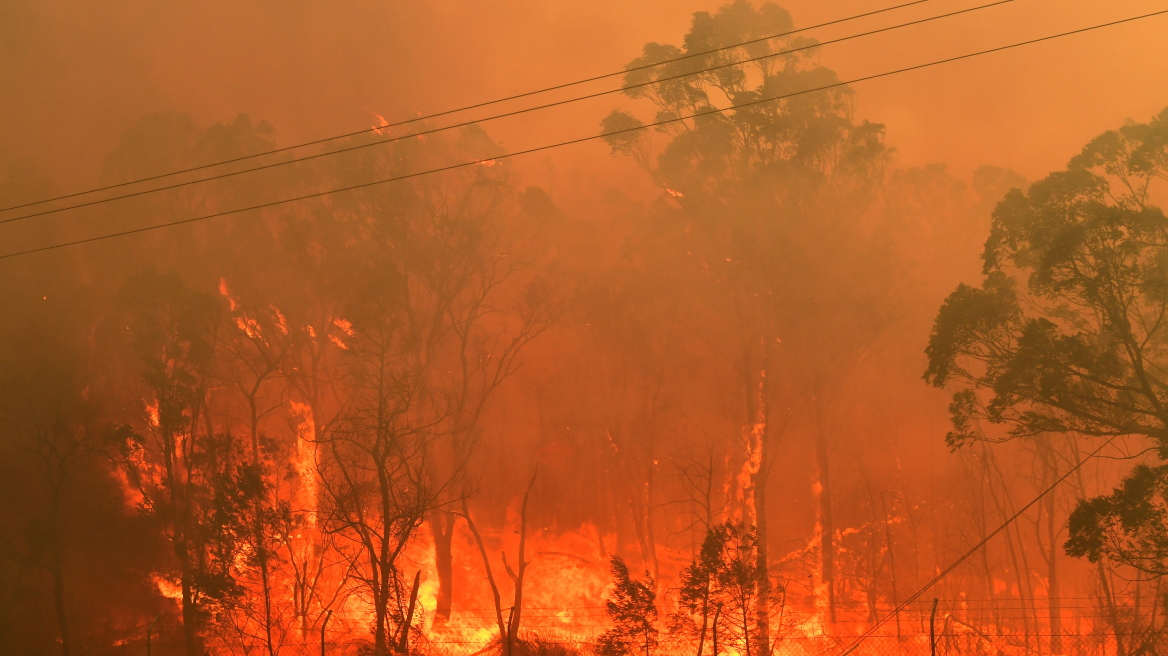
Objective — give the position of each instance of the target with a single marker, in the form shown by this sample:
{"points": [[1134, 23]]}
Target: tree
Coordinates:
{"points": [[771, 193], [720, 595], [633, 611], [47, 411], [1066, 333], [508, 630], [256, 349], [172, 332], [375, 476]]}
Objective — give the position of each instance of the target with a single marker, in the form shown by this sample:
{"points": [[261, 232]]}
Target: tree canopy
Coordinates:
{"points": [[1067, 332]]}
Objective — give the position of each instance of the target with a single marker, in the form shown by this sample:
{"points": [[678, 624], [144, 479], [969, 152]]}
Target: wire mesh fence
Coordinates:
{"points": [[949, 644]]}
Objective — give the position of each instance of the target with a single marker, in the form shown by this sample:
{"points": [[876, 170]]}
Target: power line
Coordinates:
{"points": [[464, 108], [952, 566], [509, 114], [569, 142]]}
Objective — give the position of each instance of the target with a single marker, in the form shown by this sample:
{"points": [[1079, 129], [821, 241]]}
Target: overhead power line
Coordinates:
{"points": [[525, 94], [952, 566], [512, 113], [321, 194]]}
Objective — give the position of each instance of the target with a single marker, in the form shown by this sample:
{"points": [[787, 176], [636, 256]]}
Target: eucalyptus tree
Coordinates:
{"points": [[1066, 332], [771, 181], [185, 473], [456, 251]]}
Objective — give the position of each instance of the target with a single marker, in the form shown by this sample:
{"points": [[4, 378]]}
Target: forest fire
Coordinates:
{"points": [[588, 370]]}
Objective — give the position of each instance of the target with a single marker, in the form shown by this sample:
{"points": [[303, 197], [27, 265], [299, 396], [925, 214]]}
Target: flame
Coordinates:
{"points": [[152, 417], [381, 124], [225, 292], [675, 194], [346, 327], [167, 586], [248, 326], [132, 497], [281, 323], [305, 464]]}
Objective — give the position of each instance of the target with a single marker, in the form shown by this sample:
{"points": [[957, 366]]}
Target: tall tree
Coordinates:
{"points": [[772, 193], [1066, 333], [376, 476], [172, 334]]}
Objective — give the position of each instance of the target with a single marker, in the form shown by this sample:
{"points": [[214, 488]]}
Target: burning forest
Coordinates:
{"points": [[720, 330]]}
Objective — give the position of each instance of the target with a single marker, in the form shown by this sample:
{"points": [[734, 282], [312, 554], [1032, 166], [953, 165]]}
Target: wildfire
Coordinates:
{"points": [[225, 292], [346, 327], [380, 127], [166, 586], [152, 417]]}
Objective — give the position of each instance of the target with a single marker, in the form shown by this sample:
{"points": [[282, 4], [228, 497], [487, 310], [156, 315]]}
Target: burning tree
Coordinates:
{"points": [[772, 194], [180, 467], [375, 475], [721, 596]]}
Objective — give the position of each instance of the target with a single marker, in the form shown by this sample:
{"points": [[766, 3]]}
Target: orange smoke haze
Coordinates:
{"points": [[630, 375]]}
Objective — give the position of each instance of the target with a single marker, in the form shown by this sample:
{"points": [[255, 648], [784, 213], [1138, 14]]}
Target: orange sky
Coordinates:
{"points": [[77, 73]]}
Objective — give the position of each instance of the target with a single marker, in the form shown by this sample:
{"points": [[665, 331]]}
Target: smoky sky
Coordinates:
{"points": [[77, 74]]}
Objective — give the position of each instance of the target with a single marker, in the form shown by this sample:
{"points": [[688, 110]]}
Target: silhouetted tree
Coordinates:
{"points": [[175, 465], [720, 597], [1066, 332], [633, 611]]}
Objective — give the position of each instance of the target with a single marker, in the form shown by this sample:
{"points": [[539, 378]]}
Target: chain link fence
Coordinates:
{"points": [[952, 644]]}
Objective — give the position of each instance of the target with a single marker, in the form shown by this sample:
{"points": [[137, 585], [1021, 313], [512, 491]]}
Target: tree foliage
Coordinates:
{"points": [[1067, 332], [633, 611], [722, 592]]}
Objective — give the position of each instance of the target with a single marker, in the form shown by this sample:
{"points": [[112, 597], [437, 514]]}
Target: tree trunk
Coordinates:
{"points": [[194, 645], [59, 604], [180, 520], [891, 561], [495, 596], [513, 622], [56, 565], [705, 617], [259, 531], [714, 636]]}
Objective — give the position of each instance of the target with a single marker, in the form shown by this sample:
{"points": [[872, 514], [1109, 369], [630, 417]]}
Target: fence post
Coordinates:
{"points": [[933, 629]]}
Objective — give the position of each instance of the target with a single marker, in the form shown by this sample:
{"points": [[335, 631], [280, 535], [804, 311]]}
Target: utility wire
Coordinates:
{"points": [[952, 566], [503, 115], [569, 142], [464, 108]]}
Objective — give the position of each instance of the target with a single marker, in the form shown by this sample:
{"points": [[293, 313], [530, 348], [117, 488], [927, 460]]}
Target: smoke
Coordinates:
{"points": [[631, 398]]}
